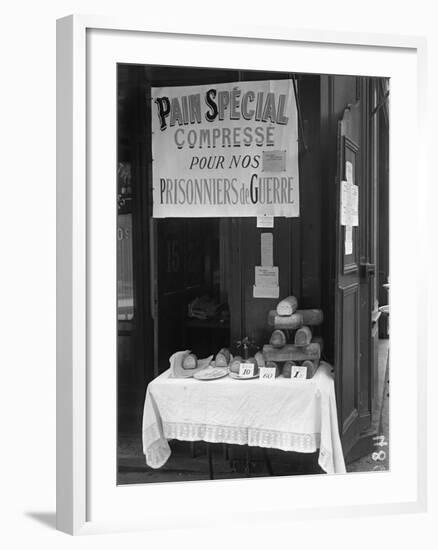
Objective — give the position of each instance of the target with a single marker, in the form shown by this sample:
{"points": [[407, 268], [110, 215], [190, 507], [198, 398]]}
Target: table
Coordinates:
{"points": [[286, 414]]}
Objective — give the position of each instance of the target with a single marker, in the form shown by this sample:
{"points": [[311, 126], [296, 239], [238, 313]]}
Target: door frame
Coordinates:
{"points": [[332, 105]]}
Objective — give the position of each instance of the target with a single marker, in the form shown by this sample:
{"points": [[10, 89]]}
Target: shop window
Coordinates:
{"points": [[192, 292], [125, 281]]}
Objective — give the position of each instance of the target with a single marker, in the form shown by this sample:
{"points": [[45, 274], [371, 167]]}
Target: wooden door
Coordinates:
{"points": [[347, 291]]}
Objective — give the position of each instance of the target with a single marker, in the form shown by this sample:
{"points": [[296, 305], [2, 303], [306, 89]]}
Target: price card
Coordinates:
{"points": [[267, 373], [299, 373], [246, 370]]}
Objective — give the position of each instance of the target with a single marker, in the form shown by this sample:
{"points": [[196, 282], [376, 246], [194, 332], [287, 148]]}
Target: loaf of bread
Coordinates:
{"points": [[278, 339], [235, 364], [303, 336], [223, 358], [311, 366], [287, 322], [260, 359], [311, 317], [287, 368], [291, 352], [190, 361], [287, 306]]}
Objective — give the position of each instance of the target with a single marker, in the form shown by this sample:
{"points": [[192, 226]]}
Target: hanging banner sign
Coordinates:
{"points": [[225, 150]]}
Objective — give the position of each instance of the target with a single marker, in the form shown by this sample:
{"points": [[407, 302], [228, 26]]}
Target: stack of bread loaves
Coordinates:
{"points": [[305, 352]]}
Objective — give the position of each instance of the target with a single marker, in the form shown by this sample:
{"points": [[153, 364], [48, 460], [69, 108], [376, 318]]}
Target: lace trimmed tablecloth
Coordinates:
{"points": [[286, 414]]}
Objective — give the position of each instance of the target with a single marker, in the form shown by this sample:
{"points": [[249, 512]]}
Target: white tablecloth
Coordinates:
{"points": [[287, 414]]}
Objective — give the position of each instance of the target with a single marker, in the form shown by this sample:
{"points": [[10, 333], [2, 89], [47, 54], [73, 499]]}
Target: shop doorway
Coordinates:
{"points": [[361, 242]]}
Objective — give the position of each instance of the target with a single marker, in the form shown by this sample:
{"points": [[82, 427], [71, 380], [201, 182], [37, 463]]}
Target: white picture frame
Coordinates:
{"points": [[83, 436]]}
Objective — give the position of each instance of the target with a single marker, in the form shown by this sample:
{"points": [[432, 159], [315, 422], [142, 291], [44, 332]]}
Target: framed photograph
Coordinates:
{"points": [[237, 320]]}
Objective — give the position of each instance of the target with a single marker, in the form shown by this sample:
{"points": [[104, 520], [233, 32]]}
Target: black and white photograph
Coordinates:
{"points": [[219, 280], [253, 281]]}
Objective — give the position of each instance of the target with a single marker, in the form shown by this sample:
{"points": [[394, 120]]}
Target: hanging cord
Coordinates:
{"points": [[300, 118], [382, 102]]}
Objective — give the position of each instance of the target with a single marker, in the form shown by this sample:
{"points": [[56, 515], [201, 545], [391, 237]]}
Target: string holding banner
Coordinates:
{"points": [[301, 137]]}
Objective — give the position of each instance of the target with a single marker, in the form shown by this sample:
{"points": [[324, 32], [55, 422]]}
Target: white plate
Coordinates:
{"points": [[211, 373], [238, 377]]}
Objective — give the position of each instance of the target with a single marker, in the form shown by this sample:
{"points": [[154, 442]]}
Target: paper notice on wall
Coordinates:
{"points": [[348, 240], [266, 282], [266, 291], [266, 276], [354, 205], [274, 161], [265, 221], [344, 203], [349, 208], [349, 171], [267, 249]]}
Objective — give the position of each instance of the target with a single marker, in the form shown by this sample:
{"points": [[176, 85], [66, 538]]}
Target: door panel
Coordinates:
{"points": [[349, 360], [351, 259], [347, 299]]}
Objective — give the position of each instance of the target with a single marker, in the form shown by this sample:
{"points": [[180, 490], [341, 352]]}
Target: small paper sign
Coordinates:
{"points": [[348, 240], [267, 373], [265, 221], [265, 291], [246, 370], [266, 276], [299, 373], [267, 249], [349, 203], [349, 171], [354, 205], [274, 161]]}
